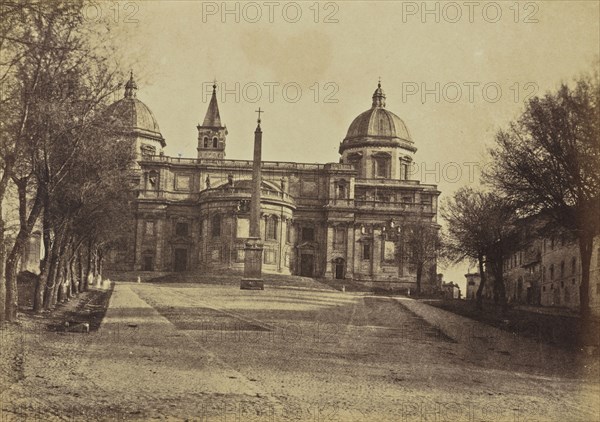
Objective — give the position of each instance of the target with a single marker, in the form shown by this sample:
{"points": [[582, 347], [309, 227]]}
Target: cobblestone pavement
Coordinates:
{"points": [[216, 353]]}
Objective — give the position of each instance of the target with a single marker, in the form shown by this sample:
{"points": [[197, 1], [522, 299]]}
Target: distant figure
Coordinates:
{"points": [[208, 182], [230, 179]]}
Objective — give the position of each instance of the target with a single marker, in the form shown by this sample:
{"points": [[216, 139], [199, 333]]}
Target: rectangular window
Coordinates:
{"points": [[181, 229], [288, 231], [366, 251], [339, 236], [149, 230], [308, 234], [216, 226], [389, 251]]}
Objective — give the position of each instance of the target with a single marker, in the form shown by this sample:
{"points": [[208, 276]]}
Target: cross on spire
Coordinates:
{"points": [[259, 111]]}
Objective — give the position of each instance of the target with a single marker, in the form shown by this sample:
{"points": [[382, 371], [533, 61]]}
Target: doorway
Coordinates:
{"points": [[340, 266], [148, 264], [180, 260], [306, 265]]}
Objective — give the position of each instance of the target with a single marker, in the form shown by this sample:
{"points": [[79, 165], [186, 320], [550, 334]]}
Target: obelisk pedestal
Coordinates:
{"points": [[252, 265]]}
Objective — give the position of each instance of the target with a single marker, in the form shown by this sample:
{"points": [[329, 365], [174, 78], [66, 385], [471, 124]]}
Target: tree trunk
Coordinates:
{"points": [[90, 269], [419, 275], [81, 284], [482, 280], [12, 262], [73, 275], [53, 278], [499, 288], [42, 281], [8, 164], [2, 259], [586, 244]]}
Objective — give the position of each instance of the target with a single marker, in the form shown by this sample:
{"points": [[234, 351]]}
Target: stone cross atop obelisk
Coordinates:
{"points": [[253, 250]]}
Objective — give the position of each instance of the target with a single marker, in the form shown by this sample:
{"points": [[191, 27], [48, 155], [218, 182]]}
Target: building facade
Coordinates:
{"points": [[340, 220], [548, 273], [473, 281]]}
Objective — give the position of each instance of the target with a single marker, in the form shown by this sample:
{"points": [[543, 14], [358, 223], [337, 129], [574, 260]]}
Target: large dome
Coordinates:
{"points": [[377, 126], [133, 116]]}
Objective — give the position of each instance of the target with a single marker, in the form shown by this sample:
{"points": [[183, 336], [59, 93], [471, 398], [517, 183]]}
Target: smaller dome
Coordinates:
{"points": [[133, 116], [378, 123], [377, 127]]}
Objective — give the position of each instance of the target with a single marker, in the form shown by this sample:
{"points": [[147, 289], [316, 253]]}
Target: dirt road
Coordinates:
{"points": [[215, 353]]}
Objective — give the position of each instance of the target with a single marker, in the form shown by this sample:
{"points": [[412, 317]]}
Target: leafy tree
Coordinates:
{"points": [[548, 161]]}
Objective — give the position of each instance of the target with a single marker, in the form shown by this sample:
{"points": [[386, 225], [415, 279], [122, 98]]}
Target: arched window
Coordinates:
{"points": [[216, 226], [271, 228], [573, 266], [206, 142], [552, 272], [215, 142], [562, 269]]}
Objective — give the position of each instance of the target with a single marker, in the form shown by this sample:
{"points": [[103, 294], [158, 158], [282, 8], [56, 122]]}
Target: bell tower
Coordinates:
{"points": [[211, 133]]}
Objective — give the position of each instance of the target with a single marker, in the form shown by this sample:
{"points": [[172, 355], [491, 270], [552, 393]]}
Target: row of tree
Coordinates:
{"points": [[62, 166], [546, 167]]}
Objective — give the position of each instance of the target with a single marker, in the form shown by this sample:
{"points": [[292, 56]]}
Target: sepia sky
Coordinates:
{"points": [[314, 66]]}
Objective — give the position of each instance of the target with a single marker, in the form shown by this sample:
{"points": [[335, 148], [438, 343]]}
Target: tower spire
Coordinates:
{"points": [[213, 117]]}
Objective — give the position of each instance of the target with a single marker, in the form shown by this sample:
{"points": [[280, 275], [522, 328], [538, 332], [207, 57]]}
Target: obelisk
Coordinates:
{"points": [[253, 249]]}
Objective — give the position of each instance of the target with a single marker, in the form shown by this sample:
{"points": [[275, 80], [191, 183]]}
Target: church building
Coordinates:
{"points": [[340, 220]]}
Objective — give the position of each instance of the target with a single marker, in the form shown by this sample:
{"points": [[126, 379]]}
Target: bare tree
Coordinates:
{"points": [[56, 76], [549, 161], [468, 235], [421, 243], [481, 227]]}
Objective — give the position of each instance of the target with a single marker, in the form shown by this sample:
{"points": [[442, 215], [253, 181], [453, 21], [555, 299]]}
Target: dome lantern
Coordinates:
{"points": [[130, 87], [379, 96]]}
